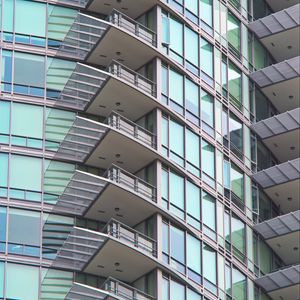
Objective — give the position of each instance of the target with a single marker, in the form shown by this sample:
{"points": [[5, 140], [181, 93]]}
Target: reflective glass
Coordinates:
{"points": [[176, 87], [176, 190], [238, 234], [177, 291], [6, 74], [234, 32], [209, 211], [235, 85], [176, 36], [208, 159], [192, 97], [206, 58], [237, 182], [191, 46], [4, 117], [192, 148], [2, 230], [177, 244], [207, 108], [239, 285], [206, 11], [209, 264], [193, 254], [3, 169], [1, 279], [193, 200], [236, 133]]}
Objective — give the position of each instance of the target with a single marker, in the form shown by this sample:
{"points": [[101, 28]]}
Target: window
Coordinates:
{"points": [[1, 279], [176, 87], [176, 136], [209, 214], [192, 98], [236, 135], [24, 232], [235, 85], [207, 110], [177, 291], [239, 285], [206, 12], [176, 40], [192, 49], [192, 152], [2, 230], [193, 205], [209, 267], [206, 58], [4, 121], [194, 258], [26, 278], [208, 159], [3, 174], [177, 245], [237, 182], [234, 34], [238, 236], [176, 194]]}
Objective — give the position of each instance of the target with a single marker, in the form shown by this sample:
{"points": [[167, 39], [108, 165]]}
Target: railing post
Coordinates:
{"points": [[136, 185], [137, 29], [136, 239]]}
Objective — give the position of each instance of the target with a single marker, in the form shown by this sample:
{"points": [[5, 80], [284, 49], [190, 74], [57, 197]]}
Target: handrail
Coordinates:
{"points": [[137, 79], [116, 120], [107, 285], [137, 26], [115, 173]]}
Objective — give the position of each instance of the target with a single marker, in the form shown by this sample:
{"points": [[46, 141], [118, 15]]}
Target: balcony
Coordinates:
{"points": [[91, 39], [281, 134], [282, 234], [111, 195], [282, 184], [117, 251], [99, 92], [116, 141], [280, 83], [280, 5], [280, 32], [282, 284], [111, 289]]}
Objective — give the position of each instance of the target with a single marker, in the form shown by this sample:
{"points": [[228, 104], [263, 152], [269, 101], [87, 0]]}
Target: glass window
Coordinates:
{"points": [[192, 97], [209, 264], [176, 193], [177, 291], [207, 108], [24, 232], [208, 159], [265, 258], [236, 134], [234, 32], [6, 75], [177, 244], [192, 149], [4, 118], [191, 295], [176, 87], [206, 58], [3, 170], [164, 78], [191, 46], [176, 39], [209, 211], [206, 11], [165, 289], [238, 236], [239, 285], [176, 138], [237, 182], [260, 55], [165, 29], [193, 200], [193, 254], [235, 85], [26, 278], [192, 6], [165, 238], [1, 279], [29, 177], [2, 229]]}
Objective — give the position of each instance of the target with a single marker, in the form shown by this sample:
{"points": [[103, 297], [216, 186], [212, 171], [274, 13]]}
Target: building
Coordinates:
{"points": [[149, 149]]}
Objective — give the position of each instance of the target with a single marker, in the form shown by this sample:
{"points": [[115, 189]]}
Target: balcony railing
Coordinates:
{"points": [[124, 291], [138, 132], [130, 236], [132, 77], [125, 22], [131, 181]]}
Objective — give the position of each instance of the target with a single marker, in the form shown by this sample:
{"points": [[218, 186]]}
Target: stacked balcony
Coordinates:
{"points": [[280, 82]]}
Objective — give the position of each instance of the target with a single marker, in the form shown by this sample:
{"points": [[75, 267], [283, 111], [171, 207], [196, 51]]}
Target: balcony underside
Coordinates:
{"points": [[99, 198], [280, 33], [278, 5], [127, 48], [84, 292], [281, 134], [128, 7], [282, 284], [282, 184], [280, 83], [121, 96], [100, 254], [283, 236]]}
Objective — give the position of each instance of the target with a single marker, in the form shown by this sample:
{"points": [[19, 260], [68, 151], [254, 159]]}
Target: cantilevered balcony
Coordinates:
{"points": [[117, 251], [100, 92], [280, 83], [278, 5], [283, 235], [280, 32], [281, 134], [282, 284], [282, 184], [92, 40], [111, 289], [113, 194], [116, 141]]}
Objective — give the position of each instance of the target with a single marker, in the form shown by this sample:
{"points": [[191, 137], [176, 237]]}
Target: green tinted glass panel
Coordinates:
{"points": [[176, 87], [239, 285], [8, 18], [207, 108], [176, 36], [2, 229], [191, 46], [193, 254], [177, 291], [235, 85], [209, 210], [192, 97], [234, 32], [238, 234], [6, 73], [177, 190], [206, 58], [209, 264], [206, 11], [4, 117], [208, 159], [3, 169], [176, 138], [192, 148], [177, 244], [237, 182], [193, 200], [1, 279], [26, 278]]}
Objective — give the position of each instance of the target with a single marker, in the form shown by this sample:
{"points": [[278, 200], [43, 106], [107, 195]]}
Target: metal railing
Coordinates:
{"points": [[140, 81], [138, 185], [121, 20], [124, 291], [138, 132], [133, 237]]}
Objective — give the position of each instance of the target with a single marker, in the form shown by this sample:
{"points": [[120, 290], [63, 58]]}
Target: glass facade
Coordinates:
{"points": [[156, 164]]}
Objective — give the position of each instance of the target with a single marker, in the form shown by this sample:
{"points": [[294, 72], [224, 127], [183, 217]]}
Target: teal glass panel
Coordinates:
{"points": [[176, 138], [227, 174], [27, 120], [207, 108], [4, 117], [235, 85], [176, 36], [3, 218], [6, 74], [165, 289], [234, 32], [165, 184], [3, 169], [208, 159], [209, 264], [27, 177], [1, 279], [260, 55], [24, 62], [209, 211], [193, 254], [177, 291], [193, 200], [238, 235], [165, 238], [206, 58], [236, 133], [176, 87], [8, 15], [265, 258], [192, 46], [192, 6], [177, 244], [239, 285], [30, 18], [26, 278], [176, 190], [164, 79], [165, 29], [191, 295], [192, 148], [206, 11], [237, 182], [192, 97], [165, 132], [228, 281]]}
